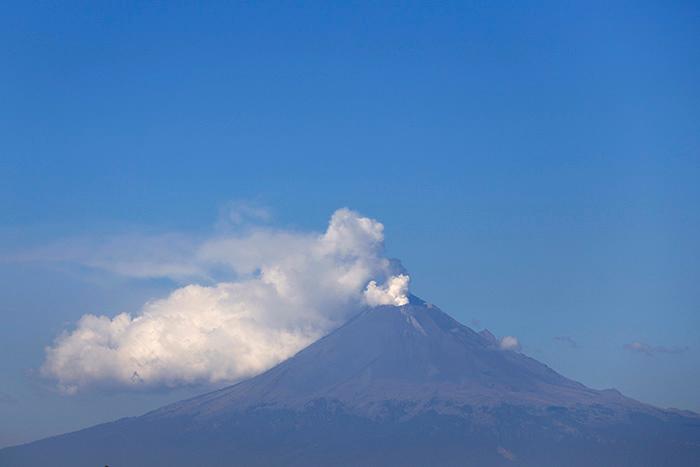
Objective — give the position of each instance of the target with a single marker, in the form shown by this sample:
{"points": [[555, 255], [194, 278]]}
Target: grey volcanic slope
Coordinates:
{"points": [[394, 386]]}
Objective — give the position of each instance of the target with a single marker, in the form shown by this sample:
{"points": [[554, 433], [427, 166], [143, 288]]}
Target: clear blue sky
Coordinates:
{"points": [[537, 167]]}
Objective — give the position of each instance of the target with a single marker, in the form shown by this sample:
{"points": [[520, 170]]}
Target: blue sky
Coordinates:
{"points": [[536, 168]]}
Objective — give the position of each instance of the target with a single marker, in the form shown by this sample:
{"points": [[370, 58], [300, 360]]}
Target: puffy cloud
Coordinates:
{"points": [[395, 292], [289, 289], [650, 350], [509, 343]]}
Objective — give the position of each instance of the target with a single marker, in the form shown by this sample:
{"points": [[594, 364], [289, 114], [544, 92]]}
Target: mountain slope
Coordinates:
{"points": [[415, 354], [395, 385]]}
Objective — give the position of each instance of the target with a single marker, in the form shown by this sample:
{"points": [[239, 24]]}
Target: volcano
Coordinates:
{"points": [[404, 385]]}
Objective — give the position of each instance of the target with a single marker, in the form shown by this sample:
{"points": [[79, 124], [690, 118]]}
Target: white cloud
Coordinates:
{"points": [[289, 290], [134, 255], [394, 292], [509, 343]]}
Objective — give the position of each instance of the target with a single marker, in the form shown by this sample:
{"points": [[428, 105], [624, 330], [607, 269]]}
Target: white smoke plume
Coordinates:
{"points": [[291, 289], [509, 343], [395, 292]]}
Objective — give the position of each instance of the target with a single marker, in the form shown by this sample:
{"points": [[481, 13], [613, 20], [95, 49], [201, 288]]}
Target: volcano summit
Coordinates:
{"points": [[396, 385]]}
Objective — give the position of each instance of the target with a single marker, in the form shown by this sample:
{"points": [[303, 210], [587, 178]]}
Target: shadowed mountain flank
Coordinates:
{"points": [[404, 385]]}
